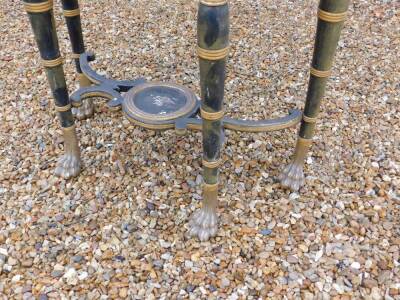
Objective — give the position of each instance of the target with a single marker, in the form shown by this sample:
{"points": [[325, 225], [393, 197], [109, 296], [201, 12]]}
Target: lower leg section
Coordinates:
{"points": [[86, 110], [204, 222], [331, 15], [213, 45], [73, 20], [293, 175], [69, 165], [43, 25]]}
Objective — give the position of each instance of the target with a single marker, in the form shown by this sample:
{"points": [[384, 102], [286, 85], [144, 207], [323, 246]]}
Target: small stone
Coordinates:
{"points": [[338, 287], [166, 256], [190, 288], [225, 282], [368, 264], [355, 265], [384, 276], [71, 276], [12, 261], [123, 293], [382, 264], [77, 258], [394, 291], [158, 263], [43, 297], [292, 259], [59, 217], [83, 276], [165, 244], [57, 273], [319, 254], [369, 283], [27, 263], [266, 232], [376, 293], [16, 278], [188, 264]]}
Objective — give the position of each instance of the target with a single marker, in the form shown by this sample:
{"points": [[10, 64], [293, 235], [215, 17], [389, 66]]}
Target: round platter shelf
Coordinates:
{"points": [[157, 105]]}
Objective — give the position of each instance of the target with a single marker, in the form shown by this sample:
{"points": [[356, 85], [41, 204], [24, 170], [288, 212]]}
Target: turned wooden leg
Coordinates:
{"points": [[331, 16], [42, 21], [213, 45], [73, 20]]}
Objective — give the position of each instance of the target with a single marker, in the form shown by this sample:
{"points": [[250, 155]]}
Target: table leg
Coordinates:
{"points": [[331, 16], [73, 20], [213, 45], [43, 25]]}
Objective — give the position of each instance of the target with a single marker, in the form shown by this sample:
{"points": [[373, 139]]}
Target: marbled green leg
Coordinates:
{"points": [[213, 43], [42, 21], [73, 20], [331, 16]]}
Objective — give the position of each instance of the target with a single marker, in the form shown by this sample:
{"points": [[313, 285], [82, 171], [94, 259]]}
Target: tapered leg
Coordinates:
{"points": [[331, 16], [42, 21], [73, 20], [213, 46]]}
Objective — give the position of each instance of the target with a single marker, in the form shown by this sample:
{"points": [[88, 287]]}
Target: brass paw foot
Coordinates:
{"points": [[204, 224], [69, 165], [293, 176], [84, 111]]}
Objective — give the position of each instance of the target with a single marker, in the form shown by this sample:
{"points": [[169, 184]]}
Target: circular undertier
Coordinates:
{"points": [[156, 105]]}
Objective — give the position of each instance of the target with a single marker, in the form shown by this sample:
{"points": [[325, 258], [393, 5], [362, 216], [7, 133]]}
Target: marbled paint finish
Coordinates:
{"points": [[326, 40]]}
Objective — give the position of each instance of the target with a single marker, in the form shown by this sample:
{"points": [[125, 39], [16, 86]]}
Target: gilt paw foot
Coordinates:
{"points": [[204, 224], [292, 176], [68, 166], [84, 111]]}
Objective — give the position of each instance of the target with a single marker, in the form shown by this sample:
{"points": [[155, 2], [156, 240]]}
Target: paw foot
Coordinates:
{"points": [[204, 224], [68, 166], [292, 176], [84, 111]]}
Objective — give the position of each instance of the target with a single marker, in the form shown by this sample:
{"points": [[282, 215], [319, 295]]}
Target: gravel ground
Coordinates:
{"points": [[119, 229]]}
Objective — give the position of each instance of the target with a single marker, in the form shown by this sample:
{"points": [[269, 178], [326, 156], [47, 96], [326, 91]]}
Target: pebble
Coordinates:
{"points": [[266, 232], [292, 259], [369, 283], [71, 277], [27, 263], [356, 265], [225, 282]]}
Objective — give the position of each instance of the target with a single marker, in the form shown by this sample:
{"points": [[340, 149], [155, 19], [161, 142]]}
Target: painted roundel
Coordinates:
{"points": [[158, 105]]}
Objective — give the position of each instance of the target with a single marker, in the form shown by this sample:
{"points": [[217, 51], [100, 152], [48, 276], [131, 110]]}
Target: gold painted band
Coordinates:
{"points": [[84, 80], [150, 126], [214, 2], [71, 13], [318, 73], [69, 129], [304, 142], [212, 164], [309, 119], [38, 7], [75, 55], [63, 108], [210, 187], [212, 54], [214, 116], [52, 62], [331, 17]]}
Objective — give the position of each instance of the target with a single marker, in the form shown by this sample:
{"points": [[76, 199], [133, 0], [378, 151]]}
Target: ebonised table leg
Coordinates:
{"points": [[43, 25], [213, 46], [331, 16], [73, 20]]}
